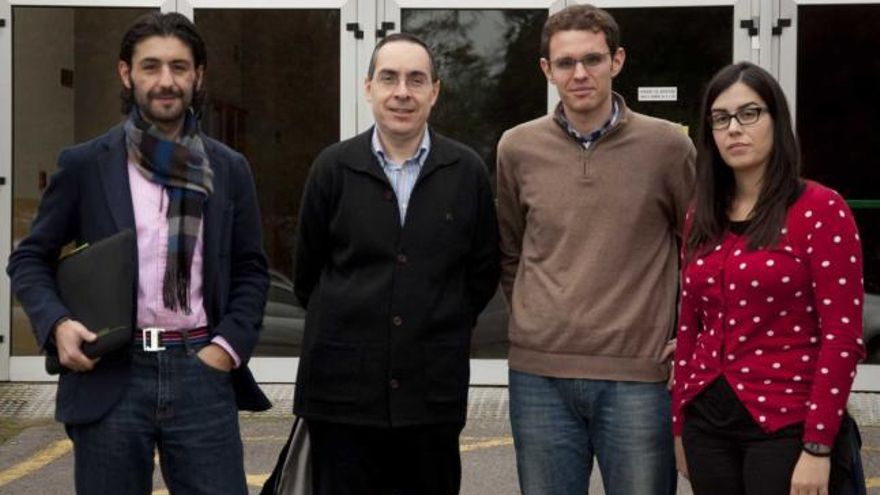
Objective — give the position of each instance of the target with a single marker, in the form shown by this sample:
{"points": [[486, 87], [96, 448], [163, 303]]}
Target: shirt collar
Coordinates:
{"points": [[418, 159], [587, 140]]}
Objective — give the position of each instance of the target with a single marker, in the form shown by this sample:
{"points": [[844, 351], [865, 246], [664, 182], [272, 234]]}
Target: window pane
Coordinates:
{"points": [[837, 122], [868, 220], [65, 90], [679, 47], [487, 60], [273, 94], [490, 82]]}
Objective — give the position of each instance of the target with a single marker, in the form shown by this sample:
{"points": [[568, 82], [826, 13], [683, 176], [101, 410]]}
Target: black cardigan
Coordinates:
{"points": [[391, 307]]}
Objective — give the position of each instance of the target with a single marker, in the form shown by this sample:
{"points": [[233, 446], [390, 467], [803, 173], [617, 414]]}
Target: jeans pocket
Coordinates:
{"points": [[207, 367]]}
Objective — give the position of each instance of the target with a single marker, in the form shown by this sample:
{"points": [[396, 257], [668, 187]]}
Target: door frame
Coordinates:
{"points": [[27, 368], [784, 68], [349, 46], [483, 371], [283, 369]]}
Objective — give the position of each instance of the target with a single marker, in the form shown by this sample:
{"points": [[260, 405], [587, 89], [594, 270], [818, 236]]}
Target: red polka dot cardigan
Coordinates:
{"points": [[782, 325]]}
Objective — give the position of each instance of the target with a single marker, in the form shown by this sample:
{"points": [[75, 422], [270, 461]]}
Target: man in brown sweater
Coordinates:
{"points": [[590, 201]]}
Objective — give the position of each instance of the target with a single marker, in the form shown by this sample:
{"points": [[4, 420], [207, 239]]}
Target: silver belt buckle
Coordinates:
{"points": [[151, 339]]}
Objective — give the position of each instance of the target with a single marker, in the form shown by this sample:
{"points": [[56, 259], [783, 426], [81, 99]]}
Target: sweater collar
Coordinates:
{"points": [[359, 155], [619, 116]]}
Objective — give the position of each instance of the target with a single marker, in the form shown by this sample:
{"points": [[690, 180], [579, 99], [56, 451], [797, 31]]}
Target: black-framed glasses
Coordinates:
{"points": [[568, 64], [745, 116]]}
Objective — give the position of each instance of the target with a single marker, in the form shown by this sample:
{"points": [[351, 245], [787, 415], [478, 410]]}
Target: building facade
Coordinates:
{"points": [[285, 79]]}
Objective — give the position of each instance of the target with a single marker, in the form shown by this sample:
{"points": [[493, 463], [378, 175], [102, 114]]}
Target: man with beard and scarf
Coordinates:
{"points": [[200, 285]]}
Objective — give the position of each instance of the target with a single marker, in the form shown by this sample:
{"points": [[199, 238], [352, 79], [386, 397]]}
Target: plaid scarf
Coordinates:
{"points": [[182, 167], [589, 139]]}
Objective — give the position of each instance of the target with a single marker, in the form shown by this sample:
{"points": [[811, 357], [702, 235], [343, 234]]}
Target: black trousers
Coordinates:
{"points": [[729, 454], [364, 460]]}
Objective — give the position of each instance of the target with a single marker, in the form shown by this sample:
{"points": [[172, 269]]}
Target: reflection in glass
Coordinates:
{"points": [[488, 66], [490, 82], [837, 97], [64, 91], [273, 94], [838, 126], [868, 220], [694, 42]]}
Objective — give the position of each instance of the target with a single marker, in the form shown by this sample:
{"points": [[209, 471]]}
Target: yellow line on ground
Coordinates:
{"points": [[257, 479], [269, 438], [487, 444], [35, 462], [873, 482], [62, 447]]}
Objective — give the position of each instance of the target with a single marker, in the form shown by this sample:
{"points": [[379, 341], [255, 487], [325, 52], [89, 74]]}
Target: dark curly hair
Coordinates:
{"points": [[159, 24]]}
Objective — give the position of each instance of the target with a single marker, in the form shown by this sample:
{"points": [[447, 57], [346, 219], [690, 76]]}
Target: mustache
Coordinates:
{"points": [[165, 93]]}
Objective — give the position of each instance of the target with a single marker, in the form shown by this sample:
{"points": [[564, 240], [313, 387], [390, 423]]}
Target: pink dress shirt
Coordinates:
{"points": [[150, 209]]}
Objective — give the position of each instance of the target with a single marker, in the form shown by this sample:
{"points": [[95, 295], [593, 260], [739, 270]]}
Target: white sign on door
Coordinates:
{"points": [[658, 93]]}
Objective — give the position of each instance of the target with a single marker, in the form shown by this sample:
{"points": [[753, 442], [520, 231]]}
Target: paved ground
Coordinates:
{"points": [[37, 460]]}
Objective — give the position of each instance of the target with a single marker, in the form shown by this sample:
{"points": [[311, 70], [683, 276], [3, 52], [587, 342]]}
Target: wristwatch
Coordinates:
{"points": [[817, 449]]}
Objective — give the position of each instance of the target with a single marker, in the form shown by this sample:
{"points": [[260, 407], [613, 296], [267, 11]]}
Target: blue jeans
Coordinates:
{"points": [[559, 424], [178, 404]]}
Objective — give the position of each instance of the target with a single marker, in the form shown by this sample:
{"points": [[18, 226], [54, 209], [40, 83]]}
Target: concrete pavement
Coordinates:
{"points": [[37, 460]]}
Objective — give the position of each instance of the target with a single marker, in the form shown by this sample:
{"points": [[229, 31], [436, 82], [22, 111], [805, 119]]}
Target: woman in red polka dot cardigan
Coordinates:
{"points": [[771, 306]]}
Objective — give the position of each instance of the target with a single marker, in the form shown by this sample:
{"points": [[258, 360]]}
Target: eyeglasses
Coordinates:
{"points": [[568, 64], [415, 82], [745, 116]]}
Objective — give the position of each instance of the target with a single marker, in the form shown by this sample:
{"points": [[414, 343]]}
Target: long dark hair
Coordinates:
{"points": [[716, 185], [158, 24]]}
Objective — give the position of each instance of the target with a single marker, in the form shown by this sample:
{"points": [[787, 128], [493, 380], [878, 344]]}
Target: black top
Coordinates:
{"points": [[739, 227], [719, 406], [391, 307]]}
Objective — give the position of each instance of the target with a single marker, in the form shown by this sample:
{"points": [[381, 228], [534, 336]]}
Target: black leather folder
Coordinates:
{"points": [[96, 283]]}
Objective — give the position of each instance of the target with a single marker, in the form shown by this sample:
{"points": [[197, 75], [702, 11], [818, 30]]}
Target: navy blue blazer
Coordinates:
{"points": [[88, 199]]}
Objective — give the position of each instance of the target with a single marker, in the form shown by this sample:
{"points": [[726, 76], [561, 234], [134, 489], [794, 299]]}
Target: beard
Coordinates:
{"points": [[155, 112]]}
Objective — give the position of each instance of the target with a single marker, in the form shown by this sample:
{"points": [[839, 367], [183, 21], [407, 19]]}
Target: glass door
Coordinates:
{"points": [[285, 79], [282, 87], [672, 50], [827, 61], [62, 89], [487, 54]]}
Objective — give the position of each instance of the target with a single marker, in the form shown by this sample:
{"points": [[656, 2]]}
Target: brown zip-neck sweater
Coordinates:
{"points": [[588, 241]]}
